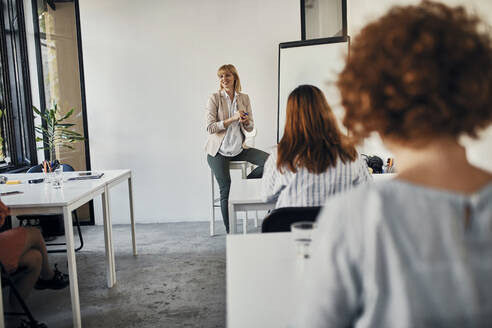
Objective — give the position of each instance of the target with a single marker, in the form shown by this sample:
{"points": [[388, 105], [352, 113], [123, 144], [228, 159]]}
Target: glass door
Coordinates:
{"points": [[59, 70]]}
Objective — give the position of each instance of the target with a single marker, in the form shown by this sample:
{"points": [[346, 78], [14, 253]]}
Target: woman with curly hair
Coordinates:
{"points": [[415, 251], [313, 159]]}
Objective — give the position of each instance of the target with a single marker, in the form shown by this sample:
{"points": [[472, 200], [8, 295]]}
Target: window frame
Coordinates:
{"points": [[303, 20], [41, 86], [18, 120]]}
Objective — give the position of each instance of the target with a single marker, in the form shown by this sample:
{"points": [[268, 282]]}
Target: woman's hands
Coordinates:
{"points": [[243, 117], [238, 116], [4, 211]]}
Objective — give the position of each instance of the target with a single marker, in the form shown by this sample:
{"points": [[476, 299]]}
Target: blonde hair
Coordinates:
{"points": [[230, 69]]}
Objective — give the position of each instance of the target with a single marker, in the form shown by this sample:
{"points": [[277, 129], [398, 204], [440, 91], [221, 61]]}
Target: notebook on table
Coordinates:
{"points": [[92, 175]]}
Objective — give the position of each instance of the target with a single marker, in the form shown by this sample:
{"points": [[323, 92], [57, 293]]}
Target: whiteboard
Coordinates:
{"points": [[317, 64]]}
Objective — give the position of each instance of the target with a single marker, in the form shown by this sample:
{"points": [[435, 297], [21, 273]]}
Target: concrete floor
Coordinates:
{"points": [[177, 280]]}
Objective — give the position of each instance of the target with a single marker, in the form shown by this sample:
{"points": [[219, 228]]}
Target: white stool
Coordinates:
{"points": [[233, 165]]}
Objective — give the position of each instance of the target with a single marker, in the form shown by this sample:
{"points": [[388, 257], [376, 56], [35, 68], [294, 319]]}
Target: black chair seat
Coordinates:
{"points": [[280, 219]]}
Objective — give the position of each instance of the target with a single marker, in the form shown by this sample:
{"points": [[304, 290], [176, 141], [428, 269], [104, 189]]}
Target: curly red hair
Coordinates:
{"points": [[419, 72]]}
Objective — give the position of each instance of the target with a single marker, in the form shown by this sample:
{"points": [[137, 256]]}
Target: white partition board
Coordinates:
{"points": [[317, 64]]}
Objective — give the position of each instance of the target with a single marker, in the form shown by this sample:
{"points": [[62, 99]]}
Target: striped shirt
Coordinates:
{"points": [[305, 189]]}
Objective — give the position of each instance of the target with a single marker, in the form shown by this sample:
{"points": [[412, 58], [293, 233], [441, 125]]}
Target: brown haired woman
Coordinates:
{"points": [[313, 159], [228, 116], [415, 251]]}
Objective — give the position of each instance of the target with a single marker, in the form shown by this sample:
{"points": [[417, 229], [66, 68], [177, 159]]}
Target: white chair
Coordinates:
{"points": [[234, 165]]}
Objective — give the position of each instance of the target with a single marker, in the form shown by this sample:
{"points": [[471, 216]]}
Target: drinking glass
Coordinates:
{"points": [[57, 178], [302, 234]]}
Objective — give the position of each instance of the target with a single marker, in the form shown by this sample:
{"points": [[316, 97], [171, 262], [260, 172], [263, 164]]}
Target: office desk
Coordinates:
{"points": [[379, 178], [263, 278], [264, 275], [245, 196], [42, 198]]}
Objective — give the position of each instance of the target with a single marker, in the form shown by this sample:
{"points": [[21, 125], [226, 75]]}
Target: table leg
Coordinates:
{"points": [[245, 223], [232, 219], [108, 239], [14, 221], [72, 267], [132, 215]]}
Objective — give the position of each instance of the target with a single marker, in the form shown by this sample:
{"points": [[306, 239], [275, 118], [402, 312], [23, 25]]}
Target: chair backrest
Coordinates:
{"points": [[280, 219], [39, 168]]}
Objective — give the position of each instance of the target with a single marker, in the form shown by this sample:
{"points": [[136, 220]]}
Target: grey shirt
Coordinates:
{"points": [[303, 188], [401, 255]]}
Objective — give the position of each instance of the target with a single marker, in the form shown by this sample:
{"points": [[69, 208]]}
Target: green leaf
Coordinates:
{"points": [[37, 111], [67, 115], [56, 134], [66, 125], [70, 132]]}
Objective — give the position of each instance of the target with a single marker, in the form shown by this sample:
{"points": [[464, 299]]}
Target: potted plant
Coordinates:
{"points": [[56, 133]]}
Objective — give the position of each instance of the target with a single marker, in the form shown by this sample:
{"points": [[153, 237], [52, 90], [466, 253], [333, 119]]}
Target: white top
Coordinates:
{"points": [[305, 189], [232, 144], [401, 255]]}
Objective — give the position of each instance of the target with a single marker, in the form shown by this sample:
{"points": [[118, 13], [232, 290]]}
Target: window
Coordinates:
{"points": [[59, 58], [323, 19], [61, 78], [18, 149]]}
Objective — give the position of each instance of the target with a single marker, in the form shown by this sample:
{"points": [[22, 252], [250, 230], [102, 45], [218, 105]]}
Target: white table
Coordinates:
{"points": [[382, 177], [42, 198], [264, 274], [263, 279], [244, 195]]}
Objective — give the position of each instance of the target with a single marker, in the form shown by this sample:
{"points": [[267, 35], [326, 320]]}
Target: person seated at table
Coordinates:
{"points": [[313, 159], [24, 248], [415, 251]]}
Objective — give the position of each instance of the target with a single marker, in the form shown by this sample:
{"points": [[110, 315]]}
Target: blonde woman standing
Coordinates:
{"points": [[229, 115]]}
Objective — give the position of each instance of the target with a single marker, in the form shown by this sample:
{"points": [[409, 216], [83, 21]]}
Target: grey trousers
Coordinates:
{"points": [[220, 167]]}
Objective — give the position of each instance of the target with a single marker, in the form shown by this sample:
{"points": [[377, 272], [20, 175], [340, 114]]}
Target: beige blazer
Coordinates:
{"points": [[217, 111]]}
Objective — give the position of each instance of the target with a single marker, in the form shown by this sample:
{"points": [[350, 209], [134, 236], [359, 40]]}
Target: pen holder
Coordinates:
{"points": [[47, 176]]}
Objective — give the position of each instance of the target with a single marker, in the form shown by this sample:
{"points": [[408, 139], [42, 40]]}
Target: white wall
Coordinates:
{"points": [[360, 12], [150, 67]]}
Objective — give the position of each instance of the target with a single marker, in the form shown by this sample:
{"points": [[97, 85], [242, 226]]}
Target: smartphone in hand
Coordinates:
{"points": [[244, 116]]}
